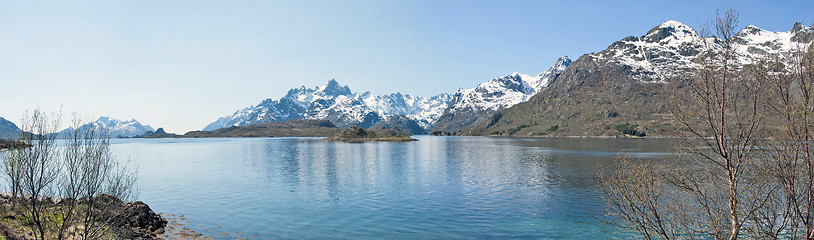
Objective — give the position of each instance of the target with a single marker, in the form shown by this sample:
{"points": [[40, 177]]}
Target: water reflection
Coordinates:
{"points": [[438, 187], [284, 160]]}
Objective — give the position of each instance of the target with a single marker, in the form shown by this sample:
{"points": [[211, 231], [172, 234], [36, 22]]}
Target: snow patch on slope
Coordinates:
{"points": [[116, 127], [503, 92], [672, 47], [340, 104]]}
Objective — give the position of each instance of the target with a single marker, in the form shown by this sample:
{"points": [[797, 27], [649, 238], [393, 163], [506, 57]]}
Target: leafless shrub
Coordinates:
{"points": [[81, 172], [33, 171]]}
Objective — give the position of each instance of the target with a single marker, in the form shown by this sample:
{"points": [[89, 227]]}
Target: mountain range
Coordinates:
{"points": [[469, 107], [339, 105], [635, 80], [116, 127], [414, 115], [631, 81]]}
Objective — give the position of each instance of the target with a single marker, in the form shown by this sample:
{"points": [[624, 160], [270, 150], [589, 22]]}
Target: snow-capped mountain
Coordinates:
{"points": [[626, 83], [339, 105], [115, 127], [616, 84], [8, 130], [504, 92], [468, 106], [425, 111], [670, 48], [754, 43]]}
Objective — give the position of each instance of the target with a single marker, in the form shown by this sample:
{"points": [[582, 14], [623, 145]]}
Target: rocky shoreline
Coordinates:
{"points": [[130, 220], [6, 144]]}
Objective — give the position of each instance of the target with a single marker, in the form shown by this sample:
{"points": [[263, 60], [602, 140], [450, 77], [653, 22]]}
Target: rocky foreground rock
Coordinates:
{"points": [[133, 220], [127, 220]]}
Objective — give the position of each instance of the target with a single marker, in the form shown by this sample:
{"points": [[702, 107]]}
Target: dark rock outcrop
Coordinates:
{"points": [[132, 220], [358, 134], [144, 222]]}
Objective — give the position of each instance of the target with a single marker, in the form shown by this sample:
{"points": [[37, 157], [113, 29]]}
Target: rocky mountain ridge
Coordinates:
{"points": [[469, 107], [339, 105], [116, 128], [671, 48], [635, 80]]}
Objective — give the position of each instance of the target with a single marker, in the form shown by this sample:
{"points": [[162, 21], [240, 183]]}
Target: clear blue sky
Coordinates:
{"points": [[182, 64]]}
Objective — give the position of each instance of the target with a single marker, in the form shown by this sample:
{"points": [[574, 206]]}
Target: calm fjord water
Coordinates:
{"points": [[436, 188]]}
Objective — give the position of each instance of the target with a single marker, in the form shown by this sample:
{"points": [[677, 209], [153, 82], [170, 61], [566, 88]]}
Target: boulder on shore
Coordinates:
{"points": [[133, 220]]}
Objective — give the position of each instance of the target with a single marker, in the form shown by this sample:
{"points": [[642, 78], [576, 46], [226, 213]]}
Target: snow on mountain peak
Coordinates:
{"points": [[105, 119], [753, 30], [801, 33], [753, 42], [671, 32], [671, 48], [117, 127], [750, 26], [560, 65], [799, 26], [544, 78], [332, 88], [338, 104], [674, 25], [503, 92]]}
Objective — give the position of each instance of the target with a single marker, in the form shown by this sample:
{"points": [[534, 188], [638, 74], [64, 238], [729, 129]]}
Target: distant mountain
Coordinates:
{"points": [[634, 80], [8, 130], [339, 105], [117, 128], [469, 107]]}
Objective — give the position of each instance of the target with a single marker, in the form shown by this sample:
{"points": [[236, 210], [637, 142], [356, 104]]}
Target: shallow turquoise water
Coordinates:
{"points": [[435, 188]]}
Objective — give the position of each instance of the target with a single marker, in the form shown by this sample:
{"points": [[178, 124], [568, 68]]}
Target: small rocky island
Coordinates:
{"points": [[159, 133], [357, 134]]}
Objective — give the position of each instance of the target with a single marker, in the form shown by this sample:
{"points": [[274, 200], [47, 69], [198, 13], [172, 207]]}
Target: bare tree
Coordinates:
{"points": [[634, 193], [720, 185], [13, 173], [792, 86], [723, 122], [71, 187], [122, 182], [82, 173], [34, 170], [91, 170]]}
